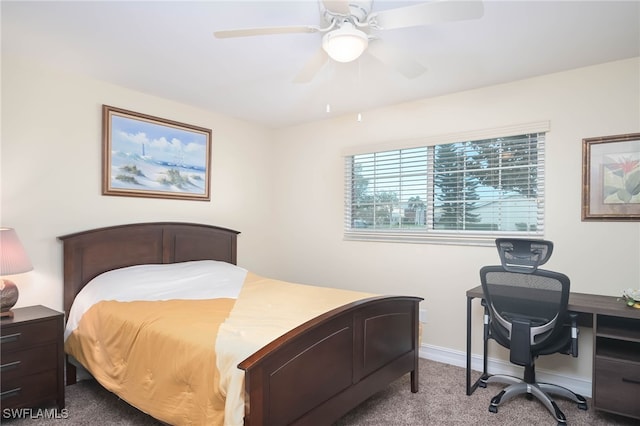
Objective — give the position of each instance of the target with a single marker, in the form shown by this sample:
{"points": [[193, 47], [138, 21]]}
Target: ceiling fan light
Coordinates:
{"points": [[345, 44]]}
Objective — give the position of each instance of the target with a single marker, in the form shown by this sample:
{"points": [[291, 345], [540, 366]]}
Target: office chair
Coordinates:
{"points": [[526, 312]]}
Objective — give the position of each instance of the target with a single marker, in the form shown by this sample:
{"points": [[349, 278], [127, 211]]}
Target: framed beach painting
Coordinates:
{"points": [[611, 178], [146, 156]]}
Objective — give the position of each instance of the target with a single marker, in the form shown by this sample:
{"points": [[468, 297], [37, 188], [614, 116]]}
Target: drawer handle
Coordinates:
{"points": [[9, 366], [634, 381], [10, 393], [10, 338]]}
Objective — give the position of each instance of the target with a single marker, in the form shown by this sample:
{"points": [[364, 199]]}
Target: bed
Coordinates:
{"points": [[363, 345]]}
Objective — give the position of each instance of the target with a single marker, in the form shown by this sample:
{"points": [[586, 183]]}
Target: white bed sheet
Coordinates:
{"points": [[201, 279]]}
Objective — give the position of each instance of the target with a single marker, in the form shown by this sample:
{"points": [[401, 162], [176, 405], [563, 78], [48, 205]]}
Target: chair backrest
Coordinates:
{"points": [[538, 298]]}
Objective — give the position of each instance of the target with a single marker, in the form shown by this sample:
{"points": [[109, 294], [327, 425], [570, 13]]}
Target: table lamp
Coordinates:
{"points": [[13, 260]]}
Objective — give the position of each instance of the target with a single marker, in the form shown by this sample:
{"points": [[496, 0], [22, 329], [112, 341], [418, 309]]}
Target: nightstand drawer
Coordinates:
{"points": [[21, 363], [29, 390], [23, 336], [617, 386], [32, 358]]}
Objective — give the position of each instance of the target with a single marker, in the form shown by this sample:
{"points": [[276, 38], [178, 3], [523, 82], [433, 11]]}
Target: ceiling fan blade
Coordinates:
{"points": [[312, 67], [339, 7], [426, 13], [248, 32], [395, 58]]}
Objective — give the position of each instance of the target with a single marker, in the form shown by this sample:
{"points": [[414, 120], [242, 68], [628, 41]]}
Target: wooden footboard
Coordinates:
{"points": [[322, 369]]}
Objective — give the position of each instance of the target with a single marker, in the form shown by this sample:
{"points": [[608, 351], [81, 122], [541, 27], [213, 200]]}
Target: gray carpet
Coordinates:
{"points": [[440, 401]]}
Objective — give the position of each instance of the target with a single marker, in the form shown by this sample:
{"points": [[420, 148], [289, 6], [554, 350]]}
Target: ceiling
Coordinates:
{"points": [[167, 49]]}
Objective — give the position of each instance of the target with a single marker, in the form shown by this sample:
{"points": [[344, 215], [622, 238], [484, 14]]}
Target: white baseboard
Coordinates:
{"points": [[579, 385]]}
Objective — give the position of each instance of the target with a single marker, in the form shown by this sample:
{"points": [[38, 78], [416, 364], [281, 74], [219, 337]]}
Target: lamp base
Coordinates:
{"points": [[8, 297], [6, 314]]}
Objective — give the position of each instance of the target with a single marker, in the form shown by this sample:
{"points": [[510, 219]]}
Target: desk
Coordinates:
{"points": [[616, 350]]}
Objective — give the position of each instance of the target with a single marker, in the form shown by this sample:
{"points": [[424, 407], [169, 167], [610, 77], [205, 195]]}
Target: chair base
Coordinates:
{"points": [[541, 391]]}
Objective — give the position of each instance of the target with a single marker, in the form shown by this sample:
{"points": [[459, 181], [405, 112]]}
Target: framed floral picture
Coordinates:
{"points": [[611, 178], [146, 156]]}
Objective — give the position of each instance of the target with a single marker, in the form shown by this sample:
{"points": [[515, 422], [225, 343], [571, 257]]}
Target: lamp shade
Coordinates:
{"points": [[345, 44], [13, 258]]}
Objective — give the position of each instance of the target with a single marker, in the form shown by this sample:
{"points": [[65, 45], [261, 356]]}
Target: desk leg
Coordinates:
{"points": [[472, 387], [469, 390], [485, 339]]}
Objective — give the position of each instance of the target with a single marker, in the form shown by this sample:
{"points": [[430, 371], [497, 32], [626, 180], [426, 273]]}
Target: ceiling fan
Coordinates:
{"points": [[348, 25]]}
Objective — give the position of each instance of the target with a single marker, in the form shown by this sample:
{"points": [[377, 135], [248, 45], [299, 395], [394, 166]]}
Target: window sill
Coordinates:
{"points": [[445, 238]]}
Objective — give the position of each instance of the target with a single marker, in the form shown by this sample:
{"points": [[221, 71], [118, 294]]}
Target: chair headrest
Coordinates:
{"points": [[523, 255]]}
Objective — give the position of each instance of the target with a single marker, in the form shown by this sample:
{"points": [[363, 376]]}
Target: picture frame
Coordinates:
{"points": [[611, 178], [147, 156]]}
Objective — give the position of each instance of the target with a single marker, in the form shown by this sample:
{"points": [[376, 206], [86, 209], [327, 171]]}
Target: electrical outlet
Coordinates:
{"points": [[423, 315]]}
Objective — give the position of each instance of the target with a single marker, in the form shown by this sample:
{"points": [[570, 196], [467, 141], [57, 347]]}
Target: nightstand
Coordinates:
{"points": [[32, 358]]}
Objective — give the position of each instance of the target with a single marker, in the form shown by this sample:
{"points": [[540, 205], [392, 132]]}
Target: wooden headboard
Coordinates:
{"points": [[92, 252]]}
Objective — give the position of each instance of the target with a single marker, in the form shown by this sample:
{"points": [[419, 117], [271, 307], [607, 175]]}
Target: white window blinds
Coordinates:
{"points": [[470, 190]]}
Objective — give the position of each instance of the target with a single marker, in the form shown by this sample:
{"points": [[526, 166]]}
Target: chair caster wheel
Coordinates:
{"points": [[582, 405], [493, 409]]}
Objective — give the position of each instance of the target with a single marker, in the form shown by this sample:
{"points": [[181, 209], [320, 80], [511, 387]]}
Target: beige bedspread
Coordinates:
{"points": [[177, 360], [265, 310], [157, 356]]}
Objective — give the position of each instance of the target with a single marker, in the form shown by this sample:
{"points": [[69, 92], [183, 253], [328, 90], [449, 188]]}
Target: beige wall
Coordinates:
{"points": [[284, 189], [599, 257], [51, 171]]}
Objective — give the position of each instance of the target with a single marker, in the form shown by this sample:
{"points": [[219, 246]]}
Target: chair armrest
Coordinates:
{"points": [[485, 319], [574, 334]]}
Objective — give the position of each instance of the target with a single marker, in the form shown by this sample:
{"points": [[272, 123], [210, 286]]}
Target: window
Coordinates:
{"points": [[464, 190]]}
